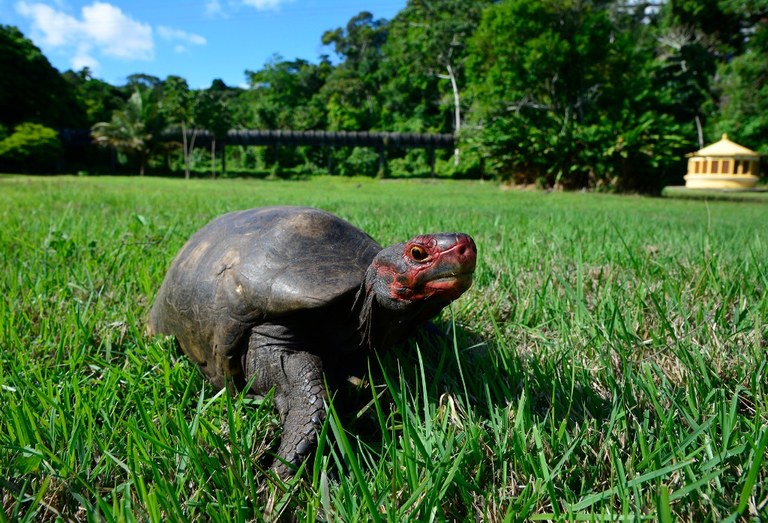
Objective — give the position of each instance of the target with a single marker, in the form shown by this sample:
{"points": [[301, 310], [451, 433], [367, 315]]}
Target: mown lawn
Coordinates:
{"points": [[609, 363]]}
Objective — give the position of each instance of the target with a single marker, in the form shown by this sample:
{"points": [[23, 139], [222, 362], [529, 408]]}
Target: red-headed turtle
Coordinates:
{"points": [[276, 296]]}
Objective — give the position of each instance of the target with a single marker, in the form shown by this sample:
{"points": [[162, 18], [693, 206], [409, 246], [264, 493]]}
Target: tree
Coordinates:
{"points": [[134, 130], [98, 98], [284, 95], [213, 113], [143, 82], [348, 103], [682, 78], [717, 24], [742, 82], [178, 104], [31, 89], [350, 93], [562, 95], [426, 50]]}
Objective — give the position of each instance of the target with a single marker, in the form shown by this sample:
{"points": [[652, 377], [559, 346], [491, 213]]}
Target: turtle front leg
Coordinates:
{"points": [[297, 377]]}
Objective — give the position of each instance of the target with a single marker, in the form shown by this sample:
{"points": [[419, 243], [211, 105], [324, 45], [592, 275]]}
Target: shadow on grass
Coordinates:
{"points": [[473, 378]]}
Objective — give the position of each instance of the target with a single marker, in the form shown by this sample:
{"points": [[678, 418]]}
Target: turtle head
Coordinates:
{"points": [[412, 282]]}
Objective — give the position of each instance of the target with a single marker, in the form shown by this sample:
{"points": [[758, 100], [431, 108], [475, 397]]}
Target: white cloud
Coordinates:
{"points": [[84, 58], [213, 8], [226, 8], [116, 34], [265, 5], [102, 29], [169, 33], [56, 28]]}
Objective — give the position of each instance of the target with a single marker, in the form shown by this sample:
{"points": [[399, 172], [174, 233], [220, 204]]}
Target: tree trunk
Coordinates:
{"points": [[456, 111], [383, 168], [432, 162], [192, 145], [213, 157], [184, 147], [188, 145], [699, 132]]}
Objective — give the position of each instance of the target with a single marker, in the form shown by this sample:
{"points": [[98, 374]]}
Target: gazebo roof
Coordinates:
{"points": [[725, 147]]}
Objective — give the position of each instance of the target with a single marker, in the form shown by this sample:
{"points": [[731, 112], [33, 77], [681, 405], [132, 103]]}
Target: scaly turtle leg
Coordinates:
{"points": [[297, 377]]}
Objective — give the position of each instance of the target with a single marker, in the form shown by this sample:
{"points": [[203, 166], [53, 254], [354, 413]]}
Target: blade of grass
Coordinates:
{"points": [[757, 462], [351, 460]]}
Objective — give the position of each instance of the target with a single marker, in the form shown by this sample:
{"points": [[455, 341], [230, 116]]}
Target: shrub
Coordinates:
{"points": [[31, 146], [363, 161]]}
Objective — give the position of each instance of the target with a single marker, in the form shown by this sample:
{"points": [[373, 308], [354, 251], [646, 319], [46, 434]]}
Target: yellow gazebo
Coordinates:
{"points": [[722, 165]]}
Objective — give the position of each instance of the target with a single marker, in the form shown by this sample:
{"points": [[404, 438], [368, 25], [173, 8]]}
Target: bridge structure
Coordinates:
{"points": [[380, 141]]}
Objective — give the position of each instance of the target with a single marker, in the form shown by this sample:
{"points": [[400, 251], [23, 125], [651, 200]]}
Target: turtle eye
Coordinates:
{"points": [[418, 253]]}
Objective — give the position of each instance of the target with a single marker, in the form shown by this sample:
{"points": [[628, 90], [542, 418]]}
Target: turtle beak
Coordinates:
{"points": [[454, 265], [458, 250]]}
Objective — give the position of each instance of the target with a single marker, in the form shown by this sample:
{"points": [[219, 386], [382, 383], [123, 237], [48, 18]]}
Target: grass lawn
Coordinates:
{"points": [[609, 363], [760, 195]]}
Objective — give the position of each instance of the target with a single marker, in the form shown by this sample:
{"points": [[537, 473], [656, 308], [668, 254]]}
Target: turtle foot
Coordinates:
{"points": [[299, 397]]}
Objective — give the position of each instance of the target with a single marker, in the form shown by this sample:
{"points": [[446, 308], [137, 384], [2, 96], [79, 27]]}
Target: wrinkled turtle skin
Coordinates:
{"points": [[274, 297]]}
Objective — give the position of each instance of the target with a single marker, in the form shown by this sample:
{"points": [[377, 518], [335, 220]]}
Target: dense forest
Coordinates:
{"points": [[607, 95]]}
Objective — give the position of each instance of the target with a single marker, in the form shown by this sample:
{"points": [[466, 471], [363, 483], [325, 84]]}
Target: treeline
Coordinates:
{"points": [[572, 93]]}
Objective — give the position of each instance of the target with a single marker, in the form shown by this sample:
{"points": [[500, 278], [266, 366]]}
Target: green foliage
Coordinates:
{"points": [[134, 130], [177, 101], [414, 163], [286, 95], [213, 113], [566, 98], [719, 23], [745, 110], [600, 94], [142, 82], [351, 90], [743, 87], [542, 65], [282, 95], [99, 98], [177, 106], [426, 42], [362, 161], [31, 89], [31, 146], [346, 102]]}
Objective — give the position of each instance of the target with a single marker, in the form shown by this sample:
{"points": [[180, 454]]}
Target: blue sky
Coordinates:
{"points": [[199, 40]]}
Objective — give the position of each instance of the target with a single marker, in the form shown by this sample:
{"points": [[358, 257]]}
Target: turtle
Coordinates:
{"points": [[281, 297]]}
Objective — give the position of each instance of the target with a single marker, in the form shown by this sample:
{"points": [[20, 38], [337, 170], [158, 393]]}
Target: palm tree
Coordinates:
{"points": [[132, 130]]}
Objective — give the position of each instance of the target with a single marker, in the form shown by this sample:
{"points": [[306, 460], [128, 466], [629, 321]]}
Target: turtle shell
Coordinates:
{"points": [[249, 267]]}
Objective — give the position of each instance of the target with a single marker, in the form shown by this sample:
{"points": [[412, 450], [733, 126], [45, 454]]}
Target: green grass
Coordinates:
{"points": [[609, 363], [757, 195]]}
